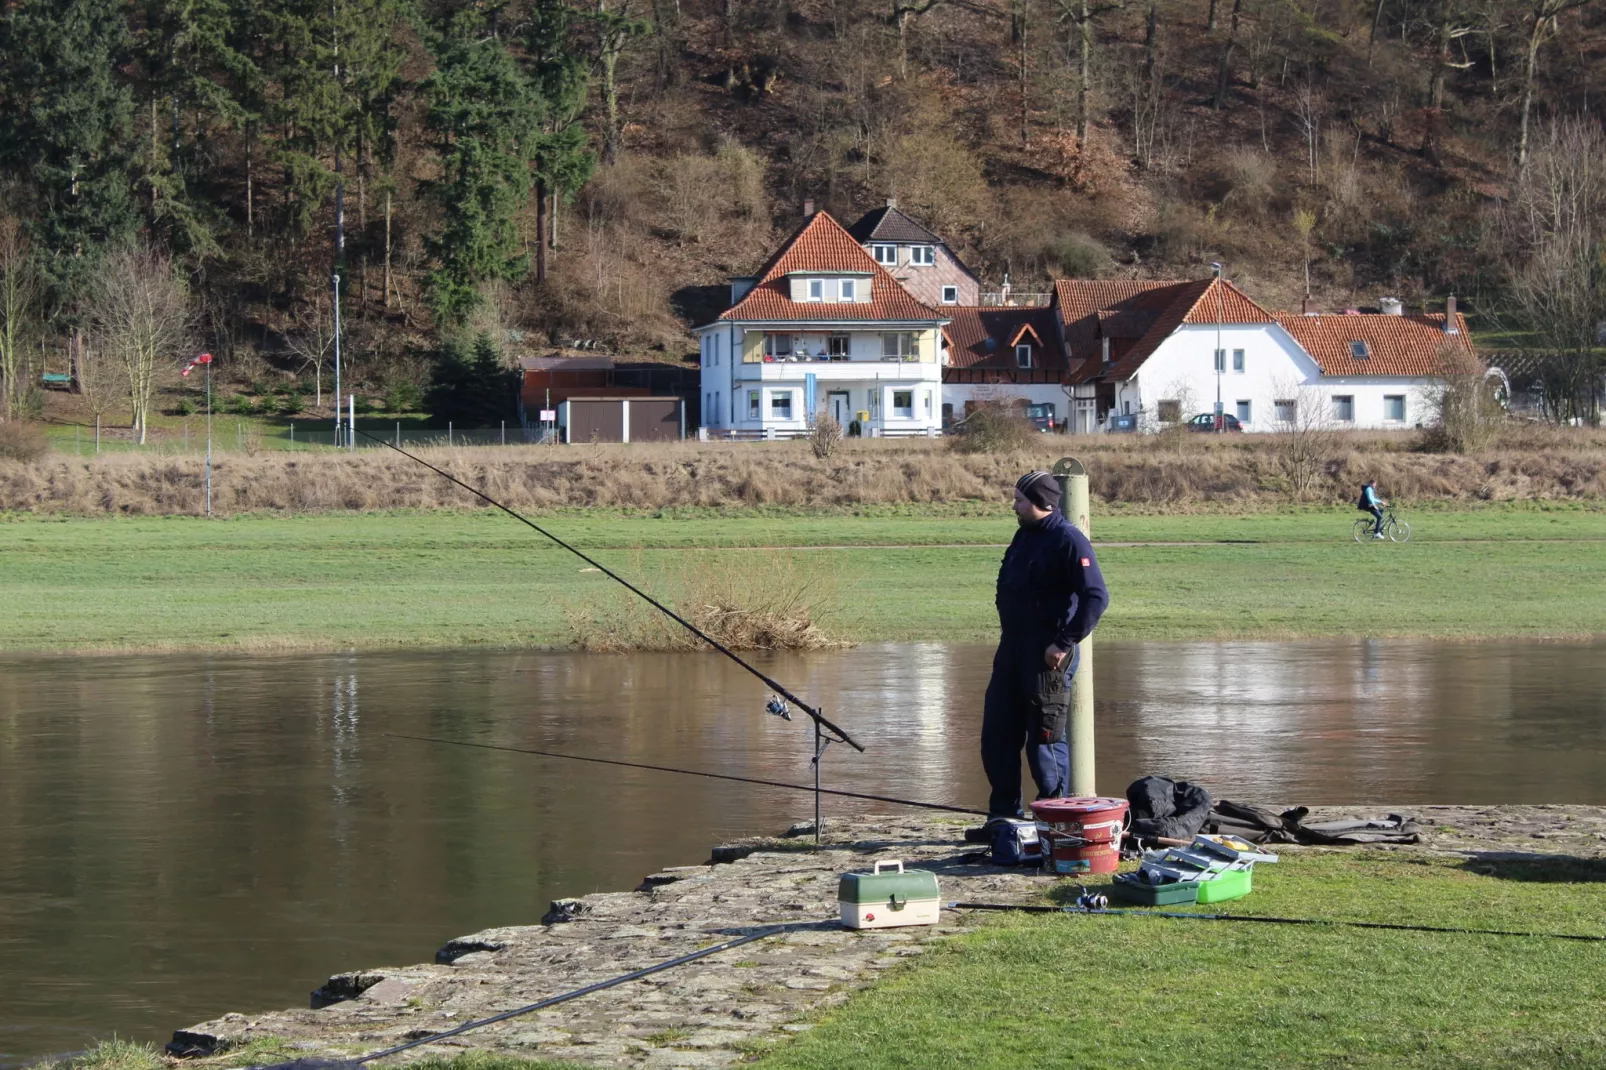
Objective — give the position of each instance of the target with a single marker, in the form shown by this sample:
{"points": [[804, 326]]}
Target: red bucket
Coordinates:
{"points": [[1083, 833]]}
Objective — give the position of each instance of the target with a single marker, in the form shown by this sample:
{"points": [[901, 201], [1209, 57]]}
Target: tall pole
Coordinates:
{"points": [[1221, 354], [208, 437], [336, 277], [1074, 507]]}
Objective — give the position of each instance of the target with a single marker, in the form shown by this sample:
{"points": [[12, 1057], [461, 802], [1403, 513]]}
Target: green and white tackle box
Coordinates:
{"points": [[882, 900]]}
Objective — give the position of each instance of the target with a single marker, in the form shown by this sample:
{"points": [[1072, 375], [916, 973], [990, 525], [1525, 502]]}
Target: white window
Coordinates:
{"points": [[1237, 360], [898, 345], [903, 404], [1344, 408], [1394, 408], [1359, 351], [1023, 355], [1243, 410], [886, 255], [950, 295], [753, 411], [816, 289], [922, 256], [1221, 360], [839, 347], [1285, 409], [781, 405], [847, 289]]}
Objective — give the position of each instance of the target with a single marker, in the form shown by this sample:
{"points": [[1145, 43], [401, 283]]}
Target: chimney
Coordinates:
{"points": [[1449, 316], [808, 208], [892, 202], [1391, 306], [1307, 307]]}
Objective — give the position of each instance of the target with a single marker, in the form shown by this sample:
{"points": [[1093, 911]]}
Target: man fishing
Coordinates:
{"points": [[1050, 597]]}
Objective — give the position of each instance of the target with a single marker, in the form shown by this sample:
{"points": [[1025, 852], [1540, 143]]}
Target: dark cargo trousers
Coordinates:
{"points": [[1027, 705]]}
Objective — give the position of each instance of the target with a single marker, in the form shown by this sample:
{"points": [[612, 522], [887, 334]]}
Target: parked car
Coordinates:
{"points": [[1206, 421]]}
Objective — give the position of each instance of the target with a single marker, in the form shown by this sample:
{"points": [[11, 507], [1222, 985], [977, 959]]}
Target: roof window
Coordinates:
{"points": [[1358, 350]]}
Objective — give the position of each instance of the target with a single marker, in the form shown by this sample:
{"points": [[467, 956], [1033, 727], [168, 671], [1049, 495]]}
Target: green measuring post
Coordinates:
{"points": [[1074, 505]]}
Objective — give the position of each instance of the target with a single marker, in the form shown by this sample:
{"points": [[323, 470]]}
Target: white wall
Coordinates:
{"points": [[956, 394]]}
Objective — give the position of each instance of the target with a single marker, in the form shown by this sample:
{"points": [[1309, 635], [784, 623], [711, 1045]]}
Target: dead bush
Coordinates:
{"points": [[825, 435], [768, 602], [22, 441], [993, 429], [1465, 415]]}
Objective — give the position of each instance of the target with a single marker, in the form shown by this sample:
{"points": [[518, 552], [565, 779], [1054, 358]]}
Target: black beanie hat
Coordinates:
{"points": [[1041, 489]]}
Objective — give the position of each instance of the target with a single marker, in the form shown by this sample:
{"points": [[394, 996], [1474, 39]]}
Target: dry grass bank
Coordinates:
{"points": [[1174, 472]]}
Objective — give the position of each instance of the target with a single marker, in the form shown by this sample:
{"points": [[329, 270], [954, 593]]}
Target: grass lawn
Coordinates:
{"points": [[411, 579], [1120, 992]]}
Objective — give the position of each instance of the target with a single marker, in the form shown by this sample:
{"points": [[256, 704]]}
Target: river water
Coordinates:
{"points": [[186, 835]]}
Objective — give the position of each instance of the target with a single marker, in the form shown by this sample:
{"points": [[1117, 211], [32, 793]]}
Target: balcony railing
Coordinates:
{"points": [[1012, 299]]}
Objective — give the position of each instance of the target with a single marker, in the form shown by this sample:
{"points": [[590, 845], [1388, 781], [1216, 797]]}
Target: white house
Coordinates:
{"points": [[822, 328], [1158, 352]]}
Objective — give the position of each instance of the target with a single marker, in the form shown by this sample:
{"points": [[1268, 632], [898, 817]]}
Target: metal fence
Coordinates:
{"points": [[232, 436]]}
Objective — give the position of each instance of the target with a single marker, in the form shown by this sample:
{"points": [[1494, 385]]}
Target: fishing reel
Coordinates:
{"points": [[1086, 900], [778, 707]]}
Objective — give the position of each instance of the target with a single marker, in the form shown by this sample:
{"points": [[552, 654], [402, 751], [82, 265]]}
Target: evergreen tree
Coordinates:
{"points": [[482, 110], [470, 387], [65, 130]]}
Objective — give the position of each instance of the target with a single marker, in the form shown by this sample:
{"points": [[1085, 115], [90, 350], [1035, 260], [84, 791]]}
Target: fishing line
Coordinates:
{"points": [[634, 975], [696, 772], [814, 713], [1392, 926]]}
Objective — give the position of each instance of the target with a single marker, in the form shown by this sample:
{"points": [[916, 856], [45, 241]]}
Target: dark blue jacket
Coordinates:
{"points": [[1049, 585]]}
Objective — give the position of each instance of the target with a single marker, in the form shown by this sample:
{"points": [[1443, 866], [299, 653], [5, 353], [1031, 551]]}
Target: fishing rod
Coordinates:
{"points": [[634, 975], [820, 722], [695, 772], [1267, 920]]}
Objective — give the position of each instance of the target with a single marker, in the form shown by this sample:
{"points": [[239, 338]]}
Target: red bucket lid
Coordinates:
{"points": [[1076, 806]]}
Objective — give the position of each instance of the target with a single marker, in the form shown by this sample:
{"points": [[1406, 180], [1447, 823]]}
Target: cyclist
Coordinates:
{"points": [[1371, 503]]}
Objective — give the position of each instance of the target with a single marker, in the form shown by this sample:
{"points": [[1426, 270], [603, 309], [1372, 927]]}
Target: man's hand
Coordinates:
{"points": [[1054, 657]]}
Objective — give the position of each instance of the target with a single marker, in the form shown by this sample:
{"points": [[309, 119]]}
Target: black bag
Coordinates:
{"points": [[1362, 504], [1161, 806]]}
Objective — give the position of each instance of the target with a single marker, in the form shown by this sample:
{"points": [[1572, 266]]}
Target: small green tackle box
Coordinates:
{"points": [[1134, 889], [882, 900]]}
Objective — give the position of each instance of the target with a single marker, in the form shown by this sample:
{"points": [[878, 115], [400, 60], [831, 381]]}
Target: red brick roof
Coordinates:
{"points": [[821, 244], [1396, 345], [1137, 316], [985, 337]]}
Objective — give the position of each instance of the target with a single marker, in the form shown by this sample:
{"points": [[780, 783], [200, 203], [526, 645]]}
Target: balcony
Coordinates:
{"points": [[838, 370]]}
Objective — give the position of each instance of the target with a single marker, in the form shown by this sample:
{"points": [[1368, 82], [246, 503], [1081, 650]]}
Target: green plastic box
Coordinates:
{"points": [[887, 898], [1231, 884]]}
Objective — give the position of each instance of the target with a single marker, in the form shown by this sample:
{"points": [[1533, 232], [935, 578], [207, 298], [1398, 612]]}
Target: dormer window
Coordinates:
{"points": [[1023, 355], [922, 256], [885, 255], [1359, 351], [816, 289], [847, 290], [950, 295]]}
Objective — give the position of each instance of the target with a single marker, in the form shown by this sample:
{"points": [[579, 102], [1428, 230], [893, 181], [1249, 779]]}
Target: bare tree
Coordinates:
{"points": [[141, 317], [1305, 438], [1447, 31], [101, 379], [1080, 14], [1542, 21], [18, 285], [1305, 224], [313, 339], [1224, 72], [1554, 228], [1309, 109]]}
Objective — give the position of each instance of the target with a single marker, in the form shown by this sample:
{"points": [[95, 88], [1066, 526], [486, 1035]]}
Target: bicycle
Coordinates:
{"points": [[1395, 529]]}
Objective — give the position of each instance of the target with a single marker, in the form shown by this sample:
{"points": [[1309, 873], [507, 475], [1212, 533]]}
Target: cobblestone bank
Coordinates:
{"points": [[719, 1010]]}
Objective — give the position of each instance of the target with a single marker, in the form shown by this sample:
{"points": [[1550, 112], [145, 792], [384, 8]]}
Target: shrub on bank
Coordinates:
{"points": [[22, 441]]}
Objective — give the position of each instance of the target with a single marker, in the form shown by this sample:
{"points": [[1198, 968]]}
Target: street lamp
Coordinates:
{"points": [[1221, 355]]}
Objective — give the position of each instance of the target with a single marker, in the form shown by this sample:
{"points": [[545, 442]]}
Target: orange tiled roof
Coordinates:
{"points": [[821, 244], [1137, 316], [985, 337], [1397, 345]]}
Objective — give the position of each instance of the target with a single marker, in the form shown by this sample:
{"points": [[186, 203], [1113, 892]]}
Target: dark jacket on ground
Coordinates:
{"points": [[1049, 585]]}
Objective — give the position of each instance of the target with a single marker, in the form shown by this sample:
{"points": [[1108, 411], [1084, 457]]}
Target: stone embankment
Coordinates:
{"points": [[720, 1010]]}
